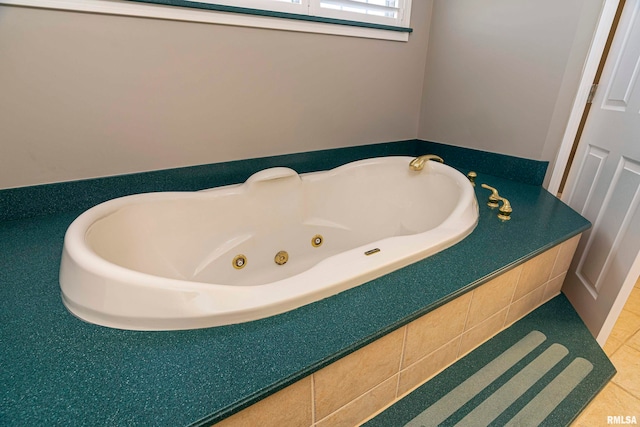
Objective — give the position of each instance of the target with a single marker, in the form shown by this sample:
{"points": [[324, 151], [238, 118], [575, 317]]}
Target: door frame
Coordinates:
{"points": [[589, 71]]}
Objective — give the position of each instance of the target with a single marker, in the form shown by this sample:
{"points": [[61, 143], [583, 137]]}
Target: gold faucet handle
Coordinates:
{"points": [[472, 177], [505, 210], [494, 198]]}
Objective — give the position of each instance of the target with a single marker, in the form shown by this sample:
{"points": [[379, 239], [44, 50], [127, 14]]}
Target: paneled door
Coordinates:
{"points": [[604, 186]]}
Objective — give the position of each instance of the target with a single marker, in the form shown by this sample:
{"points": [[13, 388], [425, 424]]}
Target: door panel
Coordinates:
{"points": [[588, 176], [604, 186]]}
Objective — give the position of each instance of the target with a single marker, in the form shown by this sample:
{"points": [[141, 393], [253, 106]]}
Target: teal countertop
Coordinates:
{"points": [[59, 370]]}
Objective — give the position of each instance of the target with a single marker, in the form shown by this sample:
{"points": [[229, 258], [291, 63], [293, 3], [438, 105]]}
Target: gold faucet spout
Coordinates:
{"points": [[418, 163], [494, 198], [504, 213]]}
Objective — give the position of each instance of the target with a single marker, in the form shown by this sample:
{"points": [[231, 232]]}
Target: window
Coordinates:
{"points": [[381, 19], [392, 13], [389, 12]]}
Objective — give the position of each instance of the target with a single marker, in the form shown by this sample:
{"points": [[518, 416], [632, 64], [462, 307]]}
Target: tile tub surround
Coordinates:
{"points": [[363, 383], [59, 370]]}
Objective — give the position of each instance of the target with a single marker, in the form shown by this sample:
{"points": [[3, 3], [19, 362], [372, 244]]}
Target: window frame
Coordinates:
{"points": [[203, 14], [402, 22]]}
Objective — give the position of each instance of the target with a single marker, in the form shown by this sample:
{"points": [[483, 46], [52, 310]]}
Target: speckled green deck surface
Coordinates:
{"points": [[542, 371], [58, 370]]}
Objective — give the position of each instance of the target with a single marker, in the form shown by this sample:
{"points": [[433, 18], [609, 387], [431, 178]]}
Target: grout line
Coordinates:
{"points": [[404, 347], [513, 293], [515, 288], [379, 411], [466, 316], [459, 338], [352, 401], [500, 329], [473, 295], [555, 261], [430, 377], [555, 277], [625, 390], [464, 328], [614, 352], [313, 399]]}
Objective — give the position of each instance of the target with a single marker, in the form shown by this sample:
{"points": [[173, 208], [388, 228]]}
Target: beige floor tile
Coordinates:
{"points": [[433, 330], [288, 407], [626, 326], [611, 346], [611, 401], [352, 376], [633, 303], [623, 348], [627, 363], [634, 341], [361, 408]]}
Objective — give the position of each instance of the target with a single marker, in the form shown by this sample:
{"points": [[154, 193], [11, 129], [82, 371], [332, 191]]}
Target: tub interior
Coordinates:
{"points": [[195, 236]]}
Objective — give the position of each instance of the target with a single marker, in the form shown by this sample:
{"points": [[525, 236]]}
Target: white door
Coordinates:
{"points": [[604, 186]]}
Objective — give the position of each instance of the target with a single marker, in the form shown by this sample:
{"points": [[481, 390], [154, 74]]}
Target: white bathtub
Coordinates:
{"points": [[162, 261]]}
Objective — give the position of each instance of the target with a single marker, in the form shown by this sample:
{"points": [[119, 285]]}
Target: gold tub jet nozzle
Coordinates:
{"points": [[418, 163], [281, 258]]}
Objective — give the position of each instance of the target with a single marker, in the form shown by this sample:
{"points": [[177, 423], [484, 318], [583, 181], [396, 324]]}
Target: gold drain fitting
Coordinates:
{"points": [[281, 258], [317, 240], [240, 261]]}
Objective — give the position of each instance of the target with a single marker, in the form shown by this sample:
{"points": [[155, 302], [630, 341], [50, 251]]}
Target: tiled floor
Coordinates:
{"points": [[621, 397]]}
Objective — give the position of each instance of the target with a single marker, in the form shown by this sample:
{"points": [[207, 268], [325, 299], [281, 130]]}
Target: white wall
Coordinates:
{"points": [[501, 75], [88, 95]]}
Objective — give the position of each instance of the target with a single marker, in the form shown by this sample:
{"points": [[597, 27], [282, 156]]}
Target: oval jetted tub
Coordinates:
{"points": [[186, 260]]}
